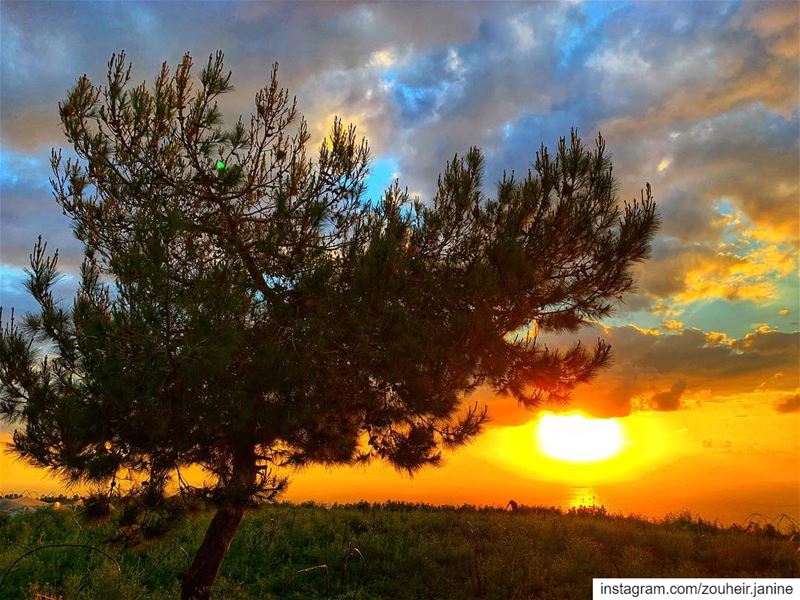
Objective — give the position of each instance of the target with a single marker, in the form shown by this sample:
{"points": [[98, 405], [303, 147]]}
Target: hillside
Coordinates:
{"points": [[396, 551]]}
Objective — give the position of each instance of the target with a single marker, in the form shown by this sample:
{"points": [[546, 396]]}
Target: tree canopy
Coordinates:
{"points": [[244, 307]]}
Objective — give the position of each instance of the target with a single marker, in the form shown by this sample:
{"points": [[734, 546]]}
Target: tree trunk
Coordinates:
{"points": [[196, 583]]}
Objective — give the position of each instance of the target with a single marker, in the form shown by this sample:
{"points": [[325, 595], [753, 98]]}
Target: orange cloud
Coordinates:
{"points": [[777, 24], [645, 331], [701, 272], [718, 338], [678, 369], [788, 404]]}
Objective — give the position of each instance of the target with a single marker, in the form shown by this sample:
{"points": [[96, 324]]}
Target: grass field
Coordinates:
{"points": [[397, 551]]}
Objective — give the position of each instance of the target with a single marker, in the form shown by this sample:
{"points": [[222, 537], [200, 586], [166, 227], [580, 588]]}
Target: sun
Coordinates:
{"points": [[579, 439]]}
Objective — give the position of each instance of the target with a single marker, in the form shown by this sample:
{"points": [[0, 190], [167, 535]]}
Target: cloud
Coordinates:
{"points": [[712, 444], [655, 371], [749, 157], [789, 404], [740, 270], [777, 24], [32, 130], [728, 61], [28, 209], [730, 191], [669, 399], [689, 218]]}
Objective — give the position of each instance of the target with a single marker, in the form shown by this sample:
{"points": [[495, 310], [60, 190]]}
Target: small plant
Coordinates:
{"points": [[97, 505], [591, 510]]}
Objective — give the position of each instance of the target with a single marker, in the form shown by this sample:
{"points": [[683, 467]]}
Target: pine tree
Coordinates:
{"points": [[245, 308]]}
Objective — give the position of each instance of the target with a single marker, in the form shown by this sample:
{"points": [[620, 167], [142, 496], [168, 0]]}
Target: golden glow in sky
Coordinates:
{"points": [[576, 449], [575, 438]]}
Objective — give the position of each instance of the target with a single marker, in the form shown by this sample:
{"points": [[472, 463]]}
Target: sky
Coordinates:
{"points": [[700, 99]]}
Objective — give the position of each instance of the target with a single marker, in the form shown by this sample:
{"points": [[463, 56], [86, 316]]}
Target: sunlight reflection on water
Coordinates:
{"points": [[583, 496]]}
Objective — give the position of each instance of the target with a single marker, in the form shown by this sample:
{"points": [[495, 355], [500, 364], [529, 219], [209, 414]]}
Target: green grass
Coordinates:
{"points": [[409, 552]]}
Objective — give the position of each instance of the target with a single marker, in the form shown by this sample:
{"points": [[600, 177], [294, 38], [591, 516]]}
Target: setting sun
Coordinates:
{"points": [[575, 438]]}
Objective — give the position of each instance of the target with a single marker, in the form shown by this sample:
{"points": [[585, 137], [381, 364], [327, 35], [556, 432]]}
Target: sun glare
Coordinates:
{"points": [[575, 438]]}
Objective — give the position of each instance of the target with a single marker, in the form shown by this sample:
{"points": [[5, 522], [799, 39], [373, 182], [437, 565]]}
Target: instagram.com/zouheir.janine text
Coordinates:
{"points": [[695, 589]]}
